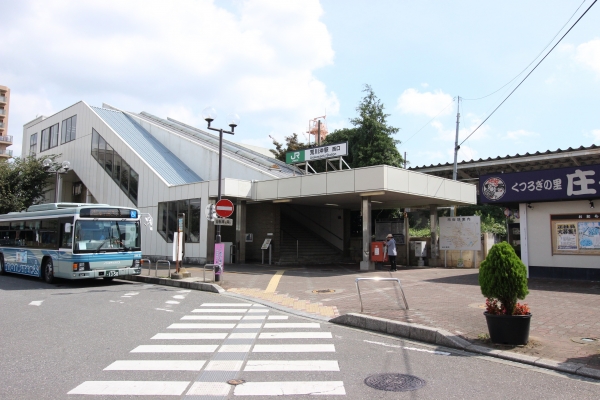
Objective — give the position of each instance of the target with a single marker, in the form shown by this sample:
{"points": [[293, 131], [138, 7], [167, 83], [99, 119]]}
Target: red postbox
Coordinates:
{"points": [[377, 251]]}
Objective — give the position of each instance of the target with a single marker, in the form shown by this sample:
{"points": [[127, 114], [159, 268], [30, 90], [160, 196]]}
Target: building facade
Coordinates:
{"points": [[5, 139]]}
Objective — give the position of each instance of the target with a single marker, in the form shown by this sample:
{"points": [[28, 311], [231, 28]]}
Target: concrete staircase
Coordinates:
{"points": [[311, 248]]}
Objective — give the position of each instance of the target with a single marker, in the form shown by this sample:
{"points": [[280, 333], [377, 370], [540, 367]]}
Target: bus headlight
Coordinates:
{"points": [[135, 264], [79, 267]]}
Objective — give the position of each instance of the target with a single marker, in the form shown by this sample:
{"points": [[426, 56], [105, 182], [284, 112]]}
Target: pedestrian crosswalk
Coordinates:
{"points": [[218, 342]]}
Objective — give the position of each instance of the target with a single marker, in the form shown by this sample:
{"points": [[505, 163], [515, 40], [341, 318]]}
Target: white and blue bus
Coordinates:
{"points": [[71, 241]]}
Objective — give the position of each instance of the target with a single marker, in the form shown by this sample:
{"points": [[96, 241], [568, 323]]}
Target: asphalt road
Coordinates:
{"points": [[119, 340]]}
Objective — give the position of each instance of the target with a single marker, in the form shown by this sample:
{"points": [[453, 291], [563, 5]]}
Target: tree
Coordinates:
{"points": [[291, 144], [370, 142], [22, 183]]}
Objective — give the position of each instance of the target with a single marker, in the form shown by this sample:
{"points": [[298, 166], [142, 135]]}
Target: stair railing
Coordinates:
{"points": [[293, 237]]}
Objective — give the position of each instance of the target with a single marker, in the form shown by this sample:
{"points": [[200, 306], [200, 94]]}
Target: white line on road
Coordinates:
{"points": [[171, 302], [213, 317], [295, 335], [290, 388], [250, 335], [201, 326], [124, 388], [291, 325], [280, 365], [183, 291], [179, 297], [209, 389], [293, 348], [156, 365], [278, 317], [254, 317], [163, 309], [186, 336], [224, 365], [225, 305], [176, 348], [219, 310], [258, 310], [36, 303], [441, 353]]}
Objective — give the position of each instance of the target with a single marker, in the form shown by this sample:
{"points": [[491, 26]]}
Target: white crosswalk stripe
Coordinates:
{"points": [[244, 343]]}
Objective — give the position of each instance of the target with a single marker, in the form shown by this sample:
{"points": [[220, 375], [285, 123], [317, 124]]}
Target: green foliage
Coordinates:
{"points": [[22, 183], [419, 232], [370, 142], [503, 276], [291, 144]]}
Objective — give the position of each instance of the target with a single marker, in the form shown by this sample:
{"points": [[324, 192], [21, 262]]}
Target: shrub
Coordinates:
{"points": [[503, 277]]}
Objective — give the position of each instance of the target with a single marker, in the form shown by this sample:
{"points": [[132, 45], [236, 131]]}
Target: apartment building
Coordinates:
{"points": [[5, 139]]}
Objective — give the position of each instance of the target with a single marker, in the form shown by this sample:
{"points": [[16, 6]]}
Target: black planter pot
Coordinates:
{"points": [[508, 329]]}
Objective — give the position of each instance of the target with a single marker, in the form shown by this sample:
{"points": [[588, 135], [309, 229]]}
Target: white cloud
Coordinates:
{"points": [[594, 134], [411, 101], [471, 121], [588, 54], [173, 59], [520, 135]]}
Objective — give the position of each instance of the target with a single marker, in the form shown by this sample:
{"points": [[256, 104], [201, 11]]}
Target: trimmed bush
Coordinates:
{"points": [[503, 276]]}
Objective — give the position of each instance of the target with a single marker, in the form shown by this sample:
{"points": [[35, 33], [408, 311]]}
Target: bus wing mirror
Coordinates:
{"points": [[68, 227]]}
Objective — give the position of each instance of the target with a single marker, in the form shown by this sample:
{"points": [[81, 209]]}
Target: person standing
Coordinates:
{"points": [[391, 251]]}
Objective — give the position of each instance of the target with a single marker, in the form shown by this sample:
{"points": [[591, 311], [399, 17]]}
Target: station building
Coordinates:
{"points": [[164, 167]]}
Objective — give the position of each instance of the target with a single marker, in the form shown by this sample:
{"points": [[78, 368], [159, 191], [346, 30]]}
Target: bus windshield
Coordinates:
{"points": [[106, 236]]}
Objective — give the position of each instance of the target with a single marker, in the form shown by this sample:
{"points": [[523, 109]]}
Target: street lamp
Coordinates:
{"points": [[210, 114], [54, 168]]}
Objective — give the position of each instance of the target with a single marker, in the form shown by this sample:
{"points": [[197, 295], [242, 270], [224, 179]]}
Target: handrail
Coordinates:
{"points": [[162, 262], [379, 279], [143, 261], [213, 270], [316, 223], [8, 138]]}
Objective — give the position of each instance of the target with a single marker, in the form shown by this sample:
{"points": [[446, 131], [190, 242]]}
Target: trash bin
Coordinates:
{"points": [[218, 273]]}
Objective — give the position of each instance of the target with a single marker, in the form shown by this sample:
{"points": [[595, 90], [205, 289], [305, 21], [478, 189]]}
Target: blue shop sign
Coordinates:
{"points": [[571, 183]]}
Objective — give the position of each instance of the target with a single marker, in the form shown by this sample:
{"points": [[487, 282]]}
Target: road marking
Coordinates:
{"points": [[171, 302], [248, 326], [254, 317], [183, 291], [214, 317], [224, 365], [277, 317], [274, 281], [295, 335], [200, 326], [290, 388], [179, 297], [279, 365], [275, 325], [179, 348], [258, 310], [156, 365], [293, 348], [177, 336], [234, 348], [162, 309], [36, 303], [131, 388], [230, 310], [250, 335], [441, 353], [209, 389], [225, 305]]}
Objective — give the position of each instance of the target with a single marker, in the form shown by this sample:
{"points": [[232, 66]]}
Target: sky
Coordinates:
{"points": [[278, 64]]}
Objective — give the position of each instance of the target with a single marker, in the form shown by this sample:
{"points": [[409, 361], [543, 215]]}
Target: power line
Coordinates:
{"points": [[428, 122], [532, 61], [527, 76]]}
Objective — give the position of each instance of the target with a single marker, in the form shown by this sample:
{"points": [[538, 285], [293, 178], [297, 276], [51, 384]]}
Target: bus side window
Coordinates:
{"points": [[66, 237]]}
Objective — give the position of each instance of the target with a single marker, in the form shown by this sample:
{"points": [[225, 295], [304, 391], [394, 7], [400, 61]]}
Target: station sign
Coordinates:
{"points": [[317, 153], [223, 221]]}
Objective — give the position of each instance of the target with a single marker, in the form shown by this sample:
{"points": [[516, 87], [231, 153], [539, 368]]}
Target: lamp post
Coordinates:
{"points": [[210, 114], [55, 169]]}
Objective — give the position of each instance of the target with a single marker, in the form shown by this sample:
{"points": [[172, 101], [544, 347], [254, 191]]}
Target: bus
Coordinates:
{"points": [[71, 241]]}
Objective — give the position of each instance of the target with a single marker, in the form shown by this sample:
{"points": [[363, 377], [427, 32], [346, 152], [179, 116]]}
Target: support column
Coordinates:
{"points": [[366, 264], [523, 237], [240, 231], [433, 224]]}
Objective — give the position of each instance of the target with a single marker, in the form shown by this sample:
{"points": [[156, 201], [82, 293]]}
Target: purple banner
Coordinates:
{"points": [[571, 183]]}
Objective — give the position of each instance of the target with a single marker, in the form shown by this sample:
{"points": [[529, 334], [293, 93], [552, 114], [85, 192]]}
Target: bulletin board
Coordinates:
{"points": [[575, 234]]}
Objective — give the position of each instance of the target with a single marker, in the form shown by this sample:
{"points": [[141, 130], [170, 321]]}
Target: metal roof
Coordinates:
{"points": [[471, 170], [154, 153]]}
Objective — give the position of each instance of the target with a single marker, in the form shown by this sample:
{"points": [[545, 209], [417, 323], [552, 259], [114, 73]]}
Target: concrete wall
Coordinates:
{"points": [[326, 222]]}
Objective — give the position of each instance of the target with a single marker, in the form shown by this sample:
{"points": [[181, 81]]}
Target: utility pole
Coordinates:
{"points": [[456, 147]]}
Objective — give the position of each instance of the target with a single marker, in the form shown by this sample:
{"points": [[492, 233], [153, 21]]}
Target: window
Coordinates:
{"points": [[49, 138], [68, 129], [114, 165], [33, 144], [54, 136], [167, 219]]}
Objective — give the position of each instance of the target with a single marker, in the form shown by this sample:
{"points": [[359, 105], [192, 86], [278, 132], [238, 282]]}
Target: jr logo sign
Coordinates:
{"points": [[294, 157]]}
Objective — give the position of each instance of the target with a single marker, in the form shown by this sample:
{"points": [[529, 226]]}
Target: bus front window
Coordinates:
{"points": [[106, 236]]}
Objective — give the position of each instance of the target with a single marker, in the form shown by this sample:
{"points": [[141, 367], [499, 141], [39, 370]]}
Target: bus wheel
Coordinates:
{"points": [[48, 271], [2, 270]]}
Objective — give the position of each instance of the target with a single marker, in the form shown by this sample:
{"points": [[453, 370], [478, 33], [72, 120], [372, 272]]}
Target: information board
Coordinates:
{"points": [[460, 233], [575, 234]]}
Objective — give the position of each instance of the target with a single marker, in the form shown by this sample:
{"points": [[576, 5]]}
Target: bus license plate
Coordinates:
{"points": [[112, 273]]}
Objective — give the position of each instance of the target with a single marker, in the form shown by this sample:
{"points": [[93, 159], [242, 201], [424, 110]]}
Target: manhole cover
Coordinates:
{"points": [[324, 291], [394, 382], [584, 340], [235, 382]]}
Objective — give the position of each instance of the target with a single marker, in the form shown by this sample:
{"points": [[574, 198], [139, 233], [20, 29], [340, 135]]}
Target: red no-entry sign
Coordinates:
{"points": [[224, 208]]}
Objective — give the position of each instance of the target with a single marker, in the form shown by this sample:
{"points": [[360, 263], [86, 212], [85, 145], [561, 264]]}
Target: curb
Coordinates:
{"points": [[444, 338], [180, 283]]}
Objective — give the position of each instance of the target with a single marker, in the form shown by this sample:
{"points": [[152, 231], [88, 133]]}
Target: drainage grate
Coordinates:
{"points": [[394, 382], [324, 291]]}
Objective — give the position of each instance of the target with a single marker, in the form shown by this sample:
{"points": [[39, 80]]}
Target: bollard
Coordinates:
{"points": [[217, 273]]}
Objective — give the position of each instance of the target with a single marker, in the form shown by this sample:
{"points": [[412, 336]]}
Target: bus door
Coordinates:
{"points": [[65, 248]]}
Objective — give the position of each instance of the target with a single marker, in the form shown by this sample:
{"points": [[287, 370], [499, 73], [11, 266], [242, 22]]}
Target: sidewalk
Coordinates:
{"points": [[564, 312]]}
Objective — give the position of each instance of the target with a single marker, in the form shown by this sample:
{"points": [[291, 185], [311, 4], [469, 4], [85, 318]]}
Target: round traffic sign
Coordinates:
{"points": [[224, 208]]}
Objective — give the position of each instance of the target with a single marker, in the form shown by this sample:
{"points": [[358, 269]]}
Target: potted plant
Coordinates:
{"points": [[503, 280]]}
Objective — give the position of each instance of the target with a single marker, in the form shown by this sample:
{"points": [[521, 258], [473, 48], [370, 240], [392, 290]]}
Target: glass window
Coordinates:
{"points": [[172, 221], [182, 207], [95, 139], [133, 186], [125, 176], [163, 210], [63, 131], [33, 144], [45, 143], [194, 220], [101, 150], [54, 135], [109, 159], [117, 168], [73, 126]]}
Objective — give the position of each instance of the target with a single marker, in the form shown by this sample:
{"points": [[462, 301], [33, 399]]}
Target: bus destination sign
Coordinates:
{"points": [[108, 213]]}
